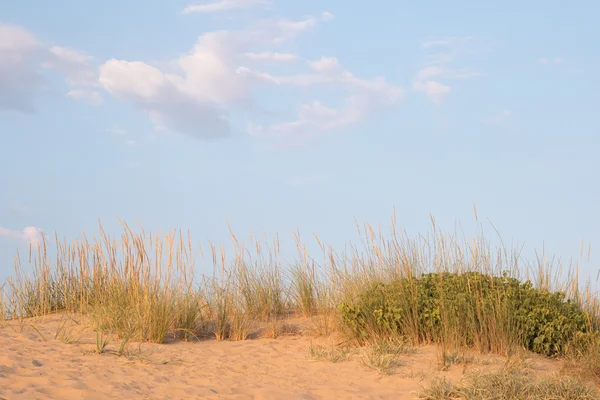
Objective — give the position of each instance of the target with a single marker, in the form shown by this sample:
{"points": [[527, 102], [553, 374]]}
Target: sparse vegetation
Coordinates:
{"points": [[508, 384], [331, 353], [381, 358], [453, 357], [101, 342]]}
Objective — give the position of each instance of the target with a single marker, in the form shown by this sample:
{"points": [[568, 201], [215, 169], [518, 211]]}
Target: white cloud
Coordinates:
{"points": [[555, 60], [327, 16], [427, 80], [212, 78], [435, 90], [432, 72], [22, 59], [453, 41], [169, 103], [191, 102], [498, 117], [428, 73], [271, 56], [20, 53], [313, 119], [291, 29], [195, 93], [364, 97], [325, 64], [29, 235], [445, 51], [73, 64], [90, 96], [222, 5]]}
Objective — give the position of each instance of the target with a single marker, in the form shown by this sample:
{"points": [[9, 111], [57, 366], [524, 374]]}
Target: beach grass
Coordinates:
{"points": [[146, 287]]}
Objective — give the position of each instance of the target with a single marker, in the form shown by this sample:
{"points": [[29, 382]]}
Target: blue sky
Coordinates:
{"points": [[278, 116]]}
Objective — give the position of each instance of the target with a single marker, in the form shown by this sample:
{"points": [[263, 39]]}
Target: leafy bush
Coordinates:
{"points": [[470, 307]]}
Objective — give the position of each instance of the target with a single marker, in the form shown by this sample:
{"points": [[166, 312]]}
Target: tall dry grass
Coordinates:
{"points": [[146, 287]]}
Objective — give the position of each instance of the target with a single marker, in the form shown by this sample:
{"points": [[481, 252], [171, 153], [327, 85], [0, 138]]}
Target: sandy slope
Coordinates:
{"points": [[34, 368]]}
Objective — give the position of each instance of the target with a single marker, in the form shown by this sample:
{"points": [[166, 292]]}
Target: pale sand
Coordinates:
{"points": [[31, 368]]}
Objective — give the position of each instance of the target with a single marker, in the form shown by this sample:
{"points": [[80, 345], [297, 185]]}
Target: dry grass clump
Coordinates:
{"points": [[514, 382], [583, 357], [330, 353]]}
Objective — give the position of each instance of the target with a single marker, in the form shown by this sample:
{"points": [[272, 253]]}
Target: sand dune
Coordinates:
{"points": [[36, 365]]}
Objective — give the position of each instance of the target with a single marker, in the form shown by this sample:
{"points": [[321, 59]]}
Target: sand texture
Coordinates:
{"points": [[36, 363]]}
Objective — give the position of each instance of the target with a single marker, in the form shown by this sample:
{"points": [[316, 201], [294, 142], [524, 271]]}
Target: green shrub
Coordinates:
{"points": [[468, 308]]}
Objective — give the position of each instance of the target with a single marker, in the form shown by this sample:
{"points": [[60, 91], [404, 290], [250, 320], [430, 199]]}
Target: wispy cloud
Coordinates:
{"points": [[498, 117], [116, 129], [90, 96], [435, 90], [29, 235], [364, 98], [272, 56], [327, 16], [20, 53], [222, 5], [429, 80], [445, 51], [325, 64], [446, 42], [22, 58], [555, 60], [75, 65]]}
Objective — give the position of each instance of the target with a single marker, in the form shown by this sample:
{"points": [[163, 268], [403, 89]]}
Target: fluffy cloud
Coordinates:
{"points": [[29, 235], [222, 5], [169, 103], [201, 90], [212, 77], [435, 90], [325, 64], [22, 60]]}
